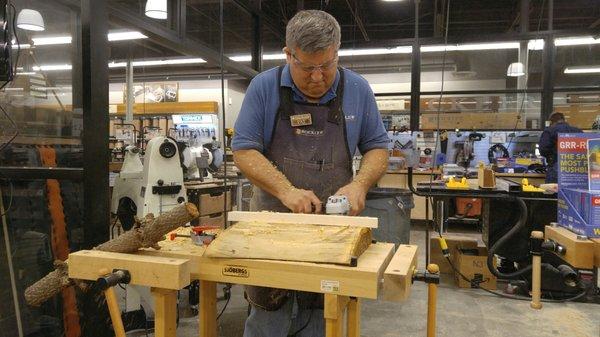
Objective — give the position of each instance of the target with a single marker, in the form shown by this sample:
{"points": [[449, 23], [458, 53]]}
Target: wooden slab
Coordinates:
{"points": [[291, 242], [150, 271], [306, 219], [360, 281], [397, 279], [580, 253]]}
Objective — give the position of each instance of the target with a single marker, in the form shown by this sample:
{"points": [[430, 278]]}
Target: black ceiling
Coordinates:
{"points": [[365, 23]]}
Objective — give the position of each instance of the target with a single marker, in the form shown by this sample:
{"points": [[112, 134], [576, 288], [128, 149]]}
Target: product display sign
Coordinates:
{"points": [[594, 164], [573, 159]]}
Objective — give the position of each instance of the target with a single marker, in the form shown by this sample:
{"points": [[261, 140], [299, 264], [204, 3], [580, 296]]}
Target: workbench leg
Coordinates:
{"points": [[335, 307], [165, 312], [207, 310], [353, 324]]}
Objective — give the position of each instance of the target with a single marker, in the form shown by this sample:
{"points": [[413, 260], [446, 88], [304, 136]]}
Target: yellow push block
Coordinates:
{"points": [[457, 185], [530, 188]]}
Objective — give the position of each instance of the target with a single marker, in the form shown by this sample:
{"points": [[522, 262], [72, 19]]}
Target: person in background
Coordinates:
{"points": [[298, 128], [548, 141]]}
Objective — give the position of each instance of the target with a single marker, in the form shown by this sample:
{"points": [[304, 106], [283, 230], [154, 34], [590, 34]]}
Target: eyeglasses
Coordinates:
{"points": [[322, 67]]}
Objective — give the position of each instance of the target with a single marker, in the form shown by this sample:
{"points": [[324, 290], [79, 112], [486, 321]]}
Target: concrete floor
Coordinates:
{"points": [[461, 312]]}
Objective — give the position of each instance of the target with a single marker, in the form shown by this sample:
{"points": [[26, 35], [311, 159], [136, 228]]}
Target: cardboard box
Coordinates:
{"points": [[212, 220], [572, 156], [472, 263], [579, 211], [213, 203], [454, 242]]}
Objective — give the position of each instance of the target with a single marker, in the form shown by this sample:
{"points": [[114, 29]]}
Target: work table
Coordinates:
{"points": [[399, 179]]}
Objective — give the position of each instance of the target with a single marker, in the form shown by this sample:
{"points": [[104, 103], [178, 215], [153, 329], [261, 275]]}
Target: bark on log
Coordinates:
{"points": [[48, 286], [148, 235]]}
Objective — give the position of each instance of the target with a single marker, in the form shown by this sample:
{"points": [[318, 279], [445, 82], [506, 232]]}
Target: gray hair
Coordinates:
{"points": [[312, 31]]}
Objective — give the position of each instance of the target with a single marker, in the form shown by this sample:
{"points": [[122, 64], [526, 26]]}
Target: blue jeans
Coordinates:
{"points": [[287, 321]]}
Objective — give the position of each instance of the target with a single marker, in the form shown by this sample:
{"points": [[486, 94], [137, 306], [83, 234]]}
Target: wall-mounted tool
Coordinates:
{"points": [[464, 153]]}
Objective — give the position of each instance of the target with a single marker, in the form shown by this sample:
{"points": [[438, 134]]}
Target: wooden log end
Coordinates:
{"points": [[192, 210]]}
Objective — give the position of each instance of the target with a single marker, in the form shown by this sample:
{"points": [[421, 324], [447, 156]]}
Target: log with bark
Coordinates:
{"points": [[149, 232]]}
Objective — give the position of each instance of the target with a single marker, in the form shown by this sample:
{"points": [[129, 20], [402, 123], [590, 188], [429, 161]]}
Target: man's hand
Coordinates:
{"points": [[301, 201], [356, 194]]}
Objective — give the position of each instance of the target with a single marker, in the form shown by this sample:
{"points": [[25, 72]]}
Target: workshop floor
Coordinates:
{"points": [[461, 312]]}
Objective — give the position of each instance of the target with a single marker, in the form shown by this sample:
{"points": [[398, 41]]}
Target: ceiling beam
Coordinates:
{"points": [[255, 9], [358, 20], [171, 39]]}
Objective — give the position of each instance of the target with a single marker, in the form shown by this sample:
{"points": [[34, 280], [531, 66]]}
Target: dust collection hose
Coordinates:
{"points": [[521, 222]]}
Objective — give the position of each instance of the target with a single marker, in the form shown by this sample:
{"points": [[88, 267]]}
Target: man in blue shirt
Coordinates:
{"points": [[548, 141], [295, 136]]}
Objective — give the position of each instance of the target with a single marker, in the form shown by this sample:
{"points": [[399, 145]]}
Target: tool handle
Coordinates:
{"points": [[113, 309], [536, 274], [432, 301]]}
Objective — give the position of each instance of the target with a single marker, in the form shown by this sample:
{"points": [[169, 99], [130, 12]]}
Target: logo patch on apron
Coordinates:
{"points": [[301, 120], [309, 133]]}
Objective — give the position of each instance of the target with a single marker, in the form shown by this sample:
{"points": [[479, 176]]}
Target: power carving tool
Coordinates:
{"points": [[337, 204]]}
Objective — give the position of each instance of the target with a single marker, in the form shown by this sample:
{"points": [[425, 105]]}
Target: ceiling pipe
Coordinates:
{"points": [[358, 20]]}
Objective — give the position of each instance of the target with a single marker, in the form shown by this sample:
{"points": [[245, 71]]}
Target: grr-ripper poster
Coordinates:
{"points": [[593, 155], [573, 159]]}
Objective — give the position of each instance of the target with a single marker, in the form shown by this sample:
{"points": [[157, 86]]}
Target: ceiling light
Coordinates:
{"points": [[241, 58], [156, 9], [127, 35], [19, 46], [473, 46], [27, 73], [29, 19], [575, 41], [52, 67], [582, 70], [113, 36], [392, 0], [274, 56], [537, 44], [377, 51], [52, 40], [149, 63], [515, 69]]}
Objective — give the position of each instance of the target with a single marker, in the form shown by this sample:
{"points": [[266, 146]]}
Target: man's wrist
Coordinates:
{"points": [[362, 182], [283, 189]]}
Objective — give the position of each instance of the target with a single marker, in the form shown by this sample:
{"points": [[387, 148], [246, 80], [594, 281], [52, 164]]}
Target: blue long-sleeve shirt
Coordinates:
{"points": [[548, 149], [255, 123]]}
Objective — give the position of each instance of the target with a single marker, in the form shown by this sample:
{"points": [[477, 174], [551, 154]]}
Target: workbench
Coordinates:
{"points": [[179, 262], [581, 252], [399, 179], [509, 190]]}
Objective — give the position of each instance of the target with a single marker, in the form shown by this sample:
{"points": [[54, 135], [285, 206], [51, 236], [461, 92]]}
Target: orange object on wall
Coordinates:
{"points": [[60, 242], [468, 207]]}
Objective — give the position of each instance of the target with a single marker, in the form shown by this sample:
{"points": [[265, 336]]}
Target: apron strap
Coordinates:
{"points": [[286, 98], [335, 112]]}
